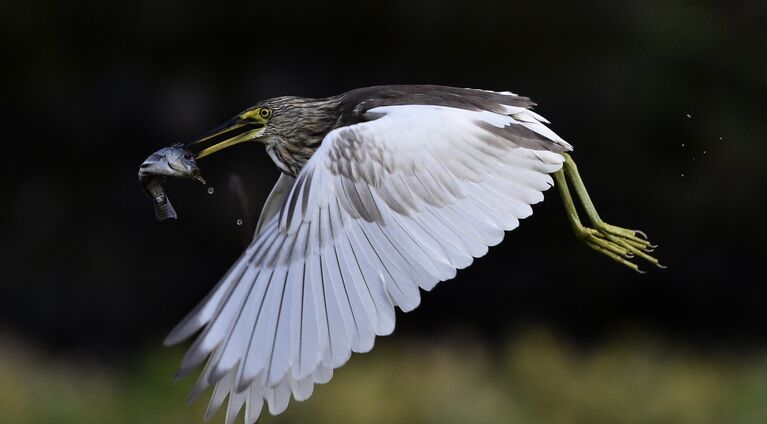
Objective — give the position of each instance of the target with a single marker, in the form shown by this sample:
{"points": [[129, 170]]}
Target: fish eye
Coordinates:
{"points": [[265, 112]]}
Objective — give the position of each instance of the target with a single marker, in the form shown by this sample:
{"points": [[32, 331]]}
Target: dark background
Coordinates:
{"points": [[664, 102]]}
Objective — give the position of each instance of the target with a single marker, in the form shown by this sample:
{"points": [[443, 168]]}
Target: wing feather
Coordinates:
{"points": [[220, 392]]}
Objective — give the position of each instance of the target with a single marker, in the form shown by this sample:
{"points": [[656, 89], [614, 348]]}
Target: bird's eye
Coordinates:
{"points": [[265, 112]]}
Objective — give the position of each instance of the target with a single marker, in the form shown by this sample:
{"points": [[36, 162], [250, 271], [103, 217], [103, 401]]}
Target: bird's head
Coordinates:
{"points": [[280, 120], [249, 125]]}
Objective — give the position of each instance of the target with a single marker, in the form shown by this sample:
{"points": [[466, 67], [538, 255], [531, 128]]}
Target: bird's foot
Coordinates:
{"points": [[619, 244]]}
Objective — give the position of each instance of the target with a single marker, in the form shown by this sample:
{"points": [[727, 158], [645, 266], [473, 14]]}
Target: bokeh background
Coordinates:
{"points": [[664, 101]]}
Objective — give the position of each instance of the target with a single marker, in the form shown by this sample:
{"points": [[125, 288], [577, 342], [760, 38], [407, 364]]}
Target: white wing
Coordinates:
{"points": [[383, 208], [274, 202]]}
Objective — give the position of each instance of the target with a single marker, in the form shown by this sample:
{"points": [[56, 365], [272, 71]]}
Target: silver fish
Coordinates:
{"points": [[174, 161]]}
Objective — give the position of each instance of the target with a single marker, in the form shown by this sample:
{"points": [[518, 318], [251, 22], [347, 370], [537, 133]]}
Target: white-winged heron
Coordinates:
{"points": [[384, 191]]}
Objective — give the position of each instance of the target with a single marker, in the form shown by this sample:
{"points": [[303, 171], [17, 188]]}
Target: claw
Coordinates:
{"points": [[641, 233], [620, 244], [661, 266]]}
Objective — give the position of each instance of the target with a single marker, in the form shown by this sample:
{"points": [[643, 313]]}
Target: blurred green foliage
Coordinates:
{"points": [[536, 377]]}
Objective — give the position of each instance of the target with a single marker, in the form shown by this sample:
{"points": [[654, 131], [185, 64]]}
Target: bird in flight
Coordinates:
{"points": [[383, 191]]}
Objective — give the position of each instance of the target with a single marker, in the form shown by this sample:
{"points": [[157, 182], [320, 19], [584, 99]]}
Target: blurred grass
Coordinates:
{"points": [[536, 377]]}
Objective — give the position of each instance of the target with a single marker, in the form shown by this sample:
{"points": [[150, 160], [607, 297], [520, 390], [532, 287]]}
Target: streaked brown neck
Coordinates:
{"points": [[303, 124]]}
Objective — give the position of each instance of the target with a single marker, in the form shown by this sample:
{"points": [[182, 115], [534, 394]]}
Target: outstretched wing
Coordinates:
{"points": [[384, 207]]}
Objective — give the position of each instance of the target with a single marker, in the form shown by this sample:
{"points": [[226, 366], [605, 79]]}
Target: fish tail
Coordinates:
{"points": [[163, 209]]}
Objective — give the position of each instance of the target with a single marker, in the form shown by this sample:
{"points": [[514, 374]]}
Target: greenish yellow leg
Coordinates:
{"points": [[617, 243]]}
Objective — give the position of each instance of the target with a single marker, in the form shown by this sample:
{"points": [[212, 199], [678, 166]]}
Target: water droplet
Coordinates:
{"points": [[239, 222], [704, 152], [688, 116], [721, 139], [682, 144], [682, 175], [211, 190]]}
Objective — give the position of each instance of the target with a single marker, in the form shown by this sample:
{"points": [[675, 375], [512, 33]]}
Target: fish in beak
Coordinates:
{"points": [[174, 161]]}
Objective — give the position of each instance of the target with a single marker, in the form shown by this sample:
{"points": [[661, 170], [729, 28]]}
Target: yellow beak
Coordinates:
{"points": [[233, 132]]}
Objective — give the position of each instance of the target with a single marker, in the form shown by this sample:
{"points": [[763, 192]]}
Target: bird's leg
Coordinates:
{"points": [[589, 235], [619, 244]]}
